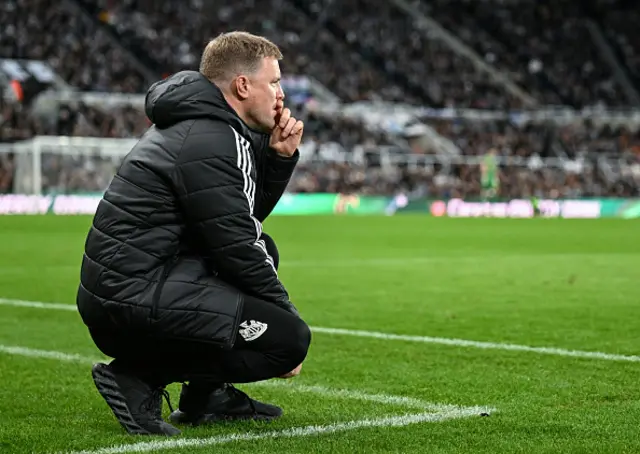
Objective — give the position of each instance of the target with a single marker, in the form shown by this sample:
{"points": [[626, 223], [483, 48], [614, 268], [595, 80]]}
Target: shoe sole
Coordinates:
{"points": [[179, 417], [108, 388]]}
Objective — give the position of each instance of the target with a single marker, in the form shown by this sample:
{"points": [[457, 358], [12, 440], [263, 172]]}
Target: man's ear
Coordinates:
{"points": [[241, 85]]}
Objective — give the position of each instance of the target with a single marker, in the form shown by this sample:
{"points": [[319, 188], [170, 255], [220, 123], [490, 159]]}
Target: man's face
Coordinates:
{"points": [[266, 95]]}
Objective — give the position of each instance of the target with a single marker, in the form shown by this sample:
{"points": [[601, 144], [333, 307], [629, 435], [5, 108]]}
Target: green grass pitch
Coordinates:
{"points": [[566, 284]]}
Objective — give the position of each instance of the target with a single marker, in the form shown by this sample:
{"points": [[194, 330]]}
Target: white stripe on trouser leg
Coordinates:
{"points": [[249, 189]]}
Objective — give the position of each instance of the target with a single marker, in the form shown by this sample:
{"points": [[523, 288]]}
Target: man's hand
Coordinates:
{"points": [[295, 372], [287, 133]]}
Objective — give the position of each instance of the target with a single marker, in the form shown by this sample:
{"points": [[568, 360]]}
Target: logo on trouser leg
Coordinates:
{"points": [[251, 330]]}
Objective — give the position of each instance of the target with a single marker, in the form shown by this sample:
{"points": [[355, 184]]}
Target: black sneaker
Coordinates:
{"points": [[136, 405], [223, 404]]}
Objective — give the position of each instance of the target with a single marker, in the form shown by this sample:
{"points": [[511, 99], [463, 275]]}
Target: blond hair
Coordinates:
{"points": [[234, 53]]}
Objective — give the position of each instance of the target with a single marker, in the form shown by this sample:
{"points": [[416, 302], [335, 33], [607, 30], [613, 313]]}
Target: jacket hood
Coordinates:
{"points": [[188, 95]]}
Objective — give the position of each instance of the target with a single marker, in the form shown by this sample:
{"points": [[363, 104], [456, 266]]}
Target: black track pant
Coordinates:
{"points": [[270, 342], [276, 343]]}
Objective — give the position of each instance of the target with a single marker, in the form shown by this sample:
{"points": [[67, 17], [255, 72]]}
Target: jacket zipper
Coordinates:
{"points": [[234, 332], [163, 278]]}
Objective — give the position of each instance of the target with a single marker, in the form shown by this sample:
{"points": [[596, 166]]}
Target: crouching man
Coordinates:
{"points": [[178, 281]]}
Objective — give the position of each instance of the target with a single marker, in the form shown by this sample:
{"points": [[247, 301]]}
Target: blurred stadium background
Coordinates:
{"points": [[401, 98], [458, 108]]}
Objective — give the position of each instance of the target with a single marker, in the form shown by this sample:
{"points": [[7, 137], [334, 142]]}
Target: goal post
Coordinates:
{"points": [[63, 164]]}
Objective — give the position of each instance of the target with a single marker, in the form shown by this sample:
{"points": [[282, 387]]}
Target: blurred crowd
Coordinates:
{"points": [[360, 50], [81, 53], [545, 46], [339, 141], [177, 32], [619, 21], [543, 139], [343, 156], [463, 181], [92, 173], [18, 122]]}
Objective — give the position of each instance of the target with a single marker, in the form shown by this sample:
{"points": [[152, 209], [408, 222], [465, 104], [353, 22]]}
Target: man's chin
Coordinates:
{"points": [[267, 127], [262, 126]]}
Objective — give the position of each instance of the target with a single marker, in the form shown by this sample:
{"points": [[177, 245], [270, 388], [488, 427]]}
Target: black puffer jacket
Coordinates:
{"points": [[178, 230]]}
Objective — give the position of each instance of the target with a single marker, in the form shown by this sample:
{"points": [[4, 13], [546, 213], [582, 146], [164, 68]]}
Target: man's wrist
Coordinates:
{"points": [[283, 155]]}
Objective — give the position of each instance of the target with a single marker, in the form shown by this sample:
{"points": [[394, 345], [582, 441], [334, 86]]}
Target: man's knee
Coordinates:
{"points": [[272, 249], [299, 343], [108, 341]]}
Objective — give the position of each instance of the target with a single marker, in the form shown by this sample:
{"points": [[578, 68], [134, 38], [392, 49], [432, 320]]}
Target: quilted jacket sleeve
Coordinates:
{"points": [[216, 193], [275, 171]]}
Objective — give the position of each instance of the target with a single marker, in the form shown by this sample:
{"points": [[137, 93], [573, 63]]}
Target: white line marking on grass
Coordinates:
{"points": [[399, 401], [440, 412], [48, 354], [295, 432], [401, 337], [38, 305], [477, 344]]}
